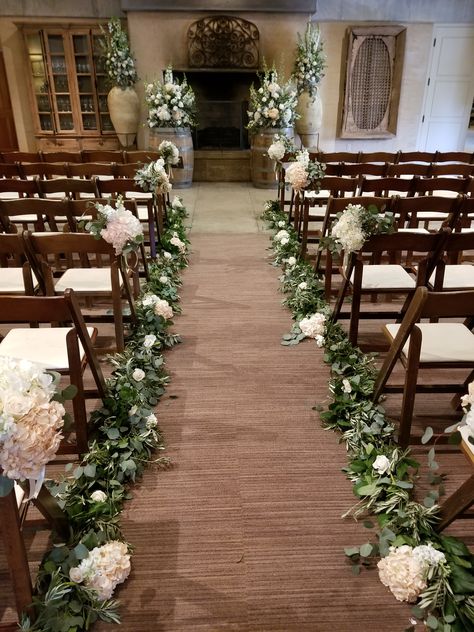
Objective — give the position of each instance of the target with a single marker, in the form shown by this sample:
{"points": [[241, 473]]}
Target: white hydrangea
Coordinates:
{"points": [[347, 230], [291, 261], [149, 340], [122, 227], [296, 175], [138, 375], [314, 327], [281, 235], [176, 241], [162, 308], [276, 151], [404, 570], [104, 568]]}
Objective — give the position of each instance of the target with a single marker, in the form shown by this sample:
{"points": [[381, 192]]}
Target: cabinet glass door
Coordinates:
{"points": [[85, 81], [102, 86], [40, 81], [60, 94]]}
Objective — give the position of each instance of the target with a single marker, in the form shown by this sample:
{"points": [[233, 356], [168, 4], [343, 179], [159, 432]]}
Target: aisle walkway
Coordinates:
{"points": [[244, 532]]}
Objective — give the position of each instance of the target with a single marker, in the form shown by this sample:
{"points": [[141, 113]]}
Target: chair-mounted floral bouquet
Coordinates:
{"points": [[171, 103]]}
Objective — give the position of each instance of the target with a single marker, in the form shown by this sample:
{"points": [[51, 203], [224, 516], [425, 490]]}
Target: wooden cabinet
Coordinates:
{"points": [[69, 89]]}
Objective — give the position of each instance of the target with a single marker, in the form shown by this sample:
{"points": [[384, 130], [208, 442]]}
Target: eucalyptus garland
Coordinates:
{"points": [[125, 439], [382, 474]]}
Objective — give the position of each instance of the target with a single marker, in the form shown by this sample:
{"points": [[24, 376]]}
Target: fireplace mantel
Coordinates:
{"points": [[275, 6]]}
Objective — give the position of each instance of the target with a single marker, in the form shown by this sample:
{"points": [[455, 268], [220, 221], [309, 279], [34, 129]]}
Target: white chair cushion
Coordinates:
{"points": [[441, 342], [88, 280], [424, 215], [312, 195], [386, 276], [45, 346], [456, 276], [414, 230], [142, 213], [11, 281]]}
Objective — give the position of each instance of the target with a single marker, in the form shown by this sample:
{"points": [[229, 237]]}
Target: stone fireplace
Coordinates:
{"points": [[159, 34]]}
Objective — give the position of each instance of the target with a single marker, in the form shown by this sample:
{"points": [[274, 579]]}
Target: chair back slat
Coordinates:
{"points": [[18, 187], [21, 156], [10, 170], [417, 156], [141, 156], [91, 169], [408, 169], [44, 169], [455, 156], [102, 155], [61, 156], [71, 187], [384, 187]]}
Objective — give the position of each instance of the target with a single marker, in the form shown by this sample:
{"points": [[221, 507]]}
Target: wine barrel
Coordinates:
{"points": [[262, 167], [181, 137]]}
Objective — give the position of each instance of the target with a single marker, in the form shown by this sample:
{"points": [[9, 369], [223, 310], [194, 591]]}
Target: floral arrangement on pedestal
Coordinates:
{"points": [[303, 172], [310, 61], [123, 103], [30, 422], [118, 226], [273, 104], [153, 177], [307, 74], [119, 62], [170, 103], [355, 225]]}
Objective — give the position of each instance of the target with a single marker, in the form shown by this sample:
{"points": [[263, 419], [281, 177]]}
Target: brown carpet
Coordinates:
{"points": [[244, 532]]}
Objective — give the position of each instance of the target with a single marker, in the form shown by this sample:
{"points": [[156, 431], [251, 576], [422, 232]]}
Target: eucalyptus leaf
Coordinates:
{"points": [[427, 435]]}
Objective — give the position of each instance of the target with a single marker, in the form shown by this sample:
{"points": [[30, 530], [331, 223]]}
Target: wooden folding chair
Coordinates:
{"points": [[411, 211], [61, 156], [10, 170], [44, 170], [21, 156], [16, 276], [14, 188], [417, 156], [357, 169], [443, 186], [87, 170], [141, 156], [102, 155], [385, 187], [14, 544], [335, 206], [382, 157], [37, 212], [432, 345], [455, 156], [451, 273], [338, 156], [91, 280], [456, 505], [407, 170], [373, 277], [447, 169], [148, 211], [72, 188], [67, 350]]}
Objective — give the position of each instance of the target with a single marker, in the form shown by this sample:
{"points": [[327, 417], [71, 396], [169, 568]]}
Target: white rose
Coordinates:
{"points": [[381, 464], [167, 255], [291, 261], [303, 285], [151, 421], [138, 375], [149, 341], [273, 113], [76, 575], [346, 386], [163, 279], [98, 497], [284, 241]]}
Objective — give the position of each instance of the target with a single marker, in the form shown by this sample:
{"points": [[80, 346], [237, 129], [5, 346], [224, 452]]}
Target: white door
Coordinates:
{"points": [[449, 90]]}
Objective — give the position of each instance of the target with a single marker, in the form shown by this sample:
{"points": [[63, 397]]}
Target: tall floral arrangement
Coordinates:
{"points": [[30, 421], [119, 63], [310, 61], [273, 104], [170, 103]]}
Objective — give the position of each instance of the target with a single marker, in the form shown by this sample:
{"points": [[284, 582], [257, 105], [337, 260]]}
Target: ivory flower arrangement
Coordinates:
{"points": [[119, 63], [304, 172], [170, 103], [273, 104], [310, 61], [118, 226], [355, 225], [153, 177]]}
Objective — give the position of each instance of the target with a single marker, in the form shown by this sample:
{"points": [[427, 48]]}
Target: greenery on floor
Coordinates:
{"points": [[76, 578], [419, 565]]}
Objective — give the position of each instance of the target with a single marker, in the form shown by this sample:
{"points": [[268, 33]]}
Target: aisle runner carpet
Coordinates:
{"points": [[244, 532]]}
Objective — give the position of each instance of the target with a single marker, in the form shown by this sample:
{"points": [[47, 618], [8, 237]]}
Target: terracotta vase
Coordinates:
{"points": [[308, 125], [124, 110]]}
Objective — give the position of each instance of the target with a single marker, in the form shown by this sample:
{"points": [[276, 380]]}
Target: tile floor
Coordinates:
{"points": [[225, 207]]}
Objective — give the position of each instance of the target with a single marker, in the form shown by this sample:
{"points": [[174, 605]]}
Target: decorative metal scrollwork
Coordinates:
{"points": [[223, 41]]}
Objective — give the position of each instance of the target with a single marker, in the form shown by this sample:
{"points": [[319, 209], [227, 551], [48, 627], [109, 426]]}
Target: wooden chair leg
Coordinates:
{"points": [[457, 503], [409, 391], [117, 308], [15, 553], [78, 402]]}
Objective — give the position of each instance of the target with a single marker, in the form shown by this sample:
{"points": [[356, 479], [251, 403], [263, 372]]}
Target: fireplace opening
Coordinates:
{"points": [[222, 99]]}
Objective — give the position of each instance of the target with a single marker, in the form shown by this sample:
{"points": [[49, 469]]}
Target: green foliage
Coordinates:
{"points": [[124, 440], [384, 489]]}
